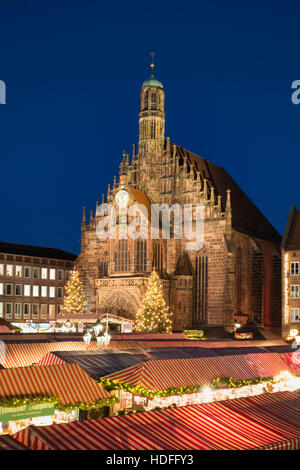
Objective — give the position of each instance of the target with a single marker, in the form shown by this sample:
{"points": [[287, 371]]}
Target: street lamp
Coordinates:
{"points": [[87, 339], [98, 327]]}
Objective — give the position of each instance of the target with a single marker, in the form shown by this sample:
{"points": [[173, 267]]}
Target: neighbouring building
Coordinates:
{"points": [[32, 281], [290, 248], [238, 270]]}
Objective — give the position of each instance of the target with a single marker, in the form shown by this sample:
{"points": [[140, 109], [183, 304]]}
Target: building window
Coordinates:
{"points": [[52, 274], [60, 275], [52, 292], [9, 270], [18, 271], [68, 275], [17, 310], [122, 257], [9, 289], [44, 291], [36, 273], [43, 310], [44, 273], [294, 315], [35, 291], [141, 255], [60, 292], [1, 269], [26, 310], [35, 311], [8, 310], [27, 271], [18, 289], [1, 309], [27, 290], [1, 288], [51, 311], [295, 291], [294, 268]]}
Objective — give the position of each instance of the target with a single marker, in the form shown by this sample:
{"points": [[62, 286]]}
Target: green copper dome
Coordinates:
{"points": [[153, 82]]}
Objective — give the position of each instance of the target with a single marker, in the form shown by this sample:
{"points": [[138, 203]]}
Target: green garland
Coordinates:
{"points": [[229, 382], [32, 401]]}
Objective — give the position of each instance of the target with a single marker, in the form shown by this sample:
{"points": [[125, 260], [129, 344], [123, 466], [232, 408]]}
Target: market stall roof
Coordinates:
{"points": [[213, 426], [163, 374], [68, 382], [8, 442], [97, 363]]}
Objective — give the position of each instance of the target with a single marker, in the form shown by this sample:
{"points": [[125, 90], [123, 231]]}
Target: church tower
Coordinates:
{"points": [[151, 117]]}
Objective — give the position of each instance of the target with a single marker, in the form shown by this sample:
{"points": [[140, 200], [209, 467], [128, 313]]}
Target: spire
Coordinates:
{"points": [[219, 203], [205, 189], [212, 195], [152, 65], [83, 215], [228, 201]]}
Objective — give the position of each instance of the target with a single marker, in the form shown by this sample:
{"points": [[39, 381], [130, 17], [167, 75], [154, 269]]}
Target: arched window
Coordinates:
{"points": [[141, 255], [122, 257]]}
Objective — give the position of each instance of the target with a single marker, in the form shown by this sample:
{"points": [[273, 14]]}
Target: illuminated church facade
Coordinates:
{"points": [[236, 272]]}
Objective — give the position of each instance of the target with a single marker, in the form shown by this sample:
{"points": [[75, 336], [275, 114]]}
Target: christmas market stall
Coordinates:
{"points": [[241, 424], [46, 395], [8, 442], [181, 382]]}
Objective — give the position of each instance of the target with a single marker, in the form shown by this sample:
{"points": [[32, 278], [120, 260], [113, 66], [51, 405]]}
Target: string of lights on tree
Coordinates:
{"points": [[154, 315], [74, 300]]}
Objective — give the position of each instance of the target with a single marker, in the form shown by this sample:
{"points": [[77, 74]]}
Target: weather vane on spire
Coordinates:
{"points": [[152, 65]]}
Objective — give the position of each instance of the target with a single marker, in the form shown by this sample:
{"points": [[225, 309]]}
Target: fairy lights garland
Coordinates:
{"points": [[16, 402], [217, 383]]}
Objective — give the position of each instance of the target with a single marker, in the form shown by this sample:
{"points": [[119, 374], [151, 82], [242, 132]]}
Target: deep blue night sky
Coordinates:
{"points": [[73, 70]]}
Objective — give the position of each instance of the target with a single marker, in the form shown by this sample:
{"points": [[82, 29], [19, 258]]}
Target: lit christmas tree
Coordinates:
{"points": [[74, 300], [154, 315]]}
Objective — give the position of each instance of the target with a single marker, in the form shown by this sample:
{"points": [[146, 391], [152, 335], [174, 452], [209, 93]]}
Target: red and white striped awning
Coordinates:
{"points": [[163, 374], [213, 426], [8, 442], [68, 382]]}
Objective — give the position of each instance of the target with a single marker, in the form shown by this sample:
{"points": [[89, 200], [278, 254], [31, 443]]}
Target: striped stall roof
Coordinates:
{"points": [[68, 382], [162, 374], [97, 363], [212, 426], [267, 364], [8, 442]]}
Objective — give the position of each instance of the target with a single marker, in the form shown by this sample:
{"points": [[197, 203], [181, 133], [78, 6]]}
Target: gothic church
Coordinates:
{"points": [[237, 271]]}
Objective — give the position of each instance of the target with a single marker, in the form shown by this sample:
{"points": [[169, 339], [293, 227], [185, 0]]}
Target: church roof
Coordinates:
{"points": [[153, 82], [291, 237], [246, 217]]}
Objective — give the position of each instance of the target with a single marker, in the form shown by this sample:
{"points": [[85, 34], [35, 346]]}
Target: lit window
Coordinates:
{"points": [[9, 289], [295, 291], [1, 309], [51, 311], [1, 288], [44, 273], [27, 271], [26, 310], [1, 269], [36, 273], [43, 310], [18, 271], [295, 268], [18, 289], [294, 315], [27, 290], [60, 292], [52, 274], [44, 291], [52, 292], [9, 270], [36, 291]]}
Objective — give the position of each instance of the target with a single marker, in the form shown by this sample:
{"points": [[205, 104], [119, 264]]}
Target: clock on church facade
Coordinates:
{"points": [[236, 272]]}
